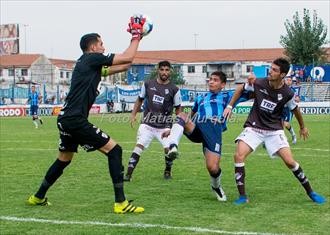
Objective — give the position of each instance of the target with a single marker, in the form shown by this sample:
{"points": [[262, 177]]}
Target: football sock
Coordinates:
{"points": [[216, 179], [176, 131], [116, 170], [133, 161], [300, 175], [240, 177], [292, 131], [53, 173], [168, 163], [35, 123]]}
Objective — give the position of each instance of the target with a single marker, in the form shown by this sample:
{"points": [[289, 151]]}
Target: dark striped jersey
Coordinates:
{"points": [[159, 102], [268, 105]]}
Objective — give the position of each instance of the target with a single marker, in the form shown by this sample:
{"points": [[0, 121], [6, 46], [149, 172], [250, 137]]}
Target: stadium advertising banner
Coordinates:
{"points": [[317, 73], [9, 39], [128, 95], [44, 110], [317, 108]]}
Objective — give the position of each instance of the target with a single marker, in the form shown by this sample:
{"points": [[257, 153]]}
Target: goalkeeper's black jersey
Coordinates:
{"points": [[86, 77]]}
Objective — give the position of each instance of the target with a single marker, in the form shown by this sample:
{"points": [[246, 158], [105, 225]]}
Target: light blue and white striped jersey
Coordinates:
{"points": [[34, 98]]}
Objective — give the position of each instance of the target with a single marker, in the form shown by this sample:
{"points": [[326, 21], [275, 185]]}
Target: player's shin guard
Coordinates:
{"points": [[216, 179], [116, 170], [133, 161], [291, 131], [168, 163], [53, 173], [300, 175], [240, 178], [176, 131]]}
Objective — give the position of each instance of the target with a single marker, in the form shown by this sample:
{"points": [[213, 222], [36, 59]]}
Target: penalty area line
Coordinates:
{"points": [[133, 225]]}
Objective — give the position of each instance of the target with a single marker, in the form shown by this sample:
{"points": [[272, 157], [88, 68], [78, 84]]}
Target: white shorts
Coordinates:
{"points": [[274, 140], [147, 133]]}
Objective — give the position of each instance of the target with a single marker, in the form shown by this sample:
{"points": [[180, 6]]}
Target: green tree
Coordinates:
{"points": [[305, 38], [175, 76]]}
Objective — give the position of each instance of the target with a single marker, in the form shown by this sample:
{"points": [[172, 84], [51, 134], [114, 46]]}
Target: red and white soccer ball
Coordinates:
{"points": [[147, 26]]}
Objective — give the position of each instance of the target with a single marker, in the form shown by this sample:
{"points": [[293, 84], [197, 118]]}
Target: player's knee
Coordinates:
{"points": [[239, 157], [213, 169], [183, 116], [138, 149]]}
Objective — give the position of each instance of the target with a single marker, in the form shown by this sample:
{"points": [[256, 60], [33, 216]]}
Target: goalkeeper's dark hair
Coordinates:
{"points": [[87, 40], [164, 63], [284, 65], [221, 75]]}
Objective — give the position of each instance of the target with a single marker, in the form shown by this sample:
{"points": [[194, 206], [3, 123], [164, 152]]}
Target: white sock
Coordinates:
{"points": [[292, 131], [176, 134], [35, 123]]}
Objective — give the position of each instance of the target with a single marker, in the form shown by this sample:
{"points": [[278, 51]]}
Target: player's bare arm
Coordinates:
{"points": [[303, 131], [238, 92], [136, 108], [118, 68]]}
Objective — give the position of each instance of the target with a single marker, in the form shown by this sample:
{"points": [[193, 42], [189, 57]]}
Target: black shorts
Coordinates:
{"points": [[78, 131]]}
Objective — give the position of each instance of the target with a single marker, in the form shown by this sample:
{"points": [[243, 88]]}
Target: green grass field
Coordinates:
{"points": [[82, 199]]}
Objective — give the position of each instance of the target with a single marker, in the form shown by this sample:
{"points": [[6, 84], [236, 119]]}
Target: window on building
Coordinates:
{"points": [[11, 72], [177, 68], [191, 69], [67, 74], [249, 68], [148, 69], [24, 72], [134, 70], [204, 69], [61, 74]]}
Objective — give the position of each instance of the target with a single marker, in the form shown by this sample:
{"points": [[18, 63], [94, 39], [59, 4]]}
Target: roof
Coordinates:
{"points": [[196, 56], [19, 60], [63, 63], [219, 55]]}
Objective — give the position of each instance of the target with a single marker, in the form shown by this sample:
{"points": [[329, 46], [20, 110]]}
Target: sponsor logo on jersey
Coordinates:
{"points": [[87, 147], [263, 91], [279, 97], [158, 99], [153, 89], [167, 91], [268, 105]]}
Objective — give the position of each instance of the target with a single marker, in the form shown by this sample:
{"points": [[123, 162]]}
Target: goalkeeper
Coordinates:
{"points": [[205, 125], [73, 124]]}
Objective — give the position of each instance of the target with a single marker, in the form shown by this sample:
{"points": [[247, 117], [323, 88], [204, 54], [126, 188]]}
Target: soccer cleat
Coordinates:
{"points": [[220, 194], [35, 201], [126, 207], [173, 152], [241, 200], [317, 198], [128, 178], [167, 175], [294, 139]]}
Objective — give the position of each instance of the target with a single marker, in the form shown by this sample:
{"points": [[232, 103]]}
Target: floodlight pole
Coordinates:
{"points": [[195, 36]]}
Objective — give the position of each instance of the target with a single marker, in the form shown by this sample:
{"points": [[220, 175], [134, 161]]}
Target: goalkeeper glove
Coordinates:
{"points": [[135, 27]]}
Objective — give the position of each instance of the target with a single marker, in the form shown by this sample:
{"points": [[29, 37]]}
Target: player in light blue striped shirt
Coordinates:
{"points": [[205, 125], [34, 100]]}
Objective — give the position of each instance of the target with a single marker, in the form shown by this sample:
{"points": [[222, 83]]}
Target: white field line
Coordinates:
{"points": [[133, 225], [160, 152], [133, 142]]}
